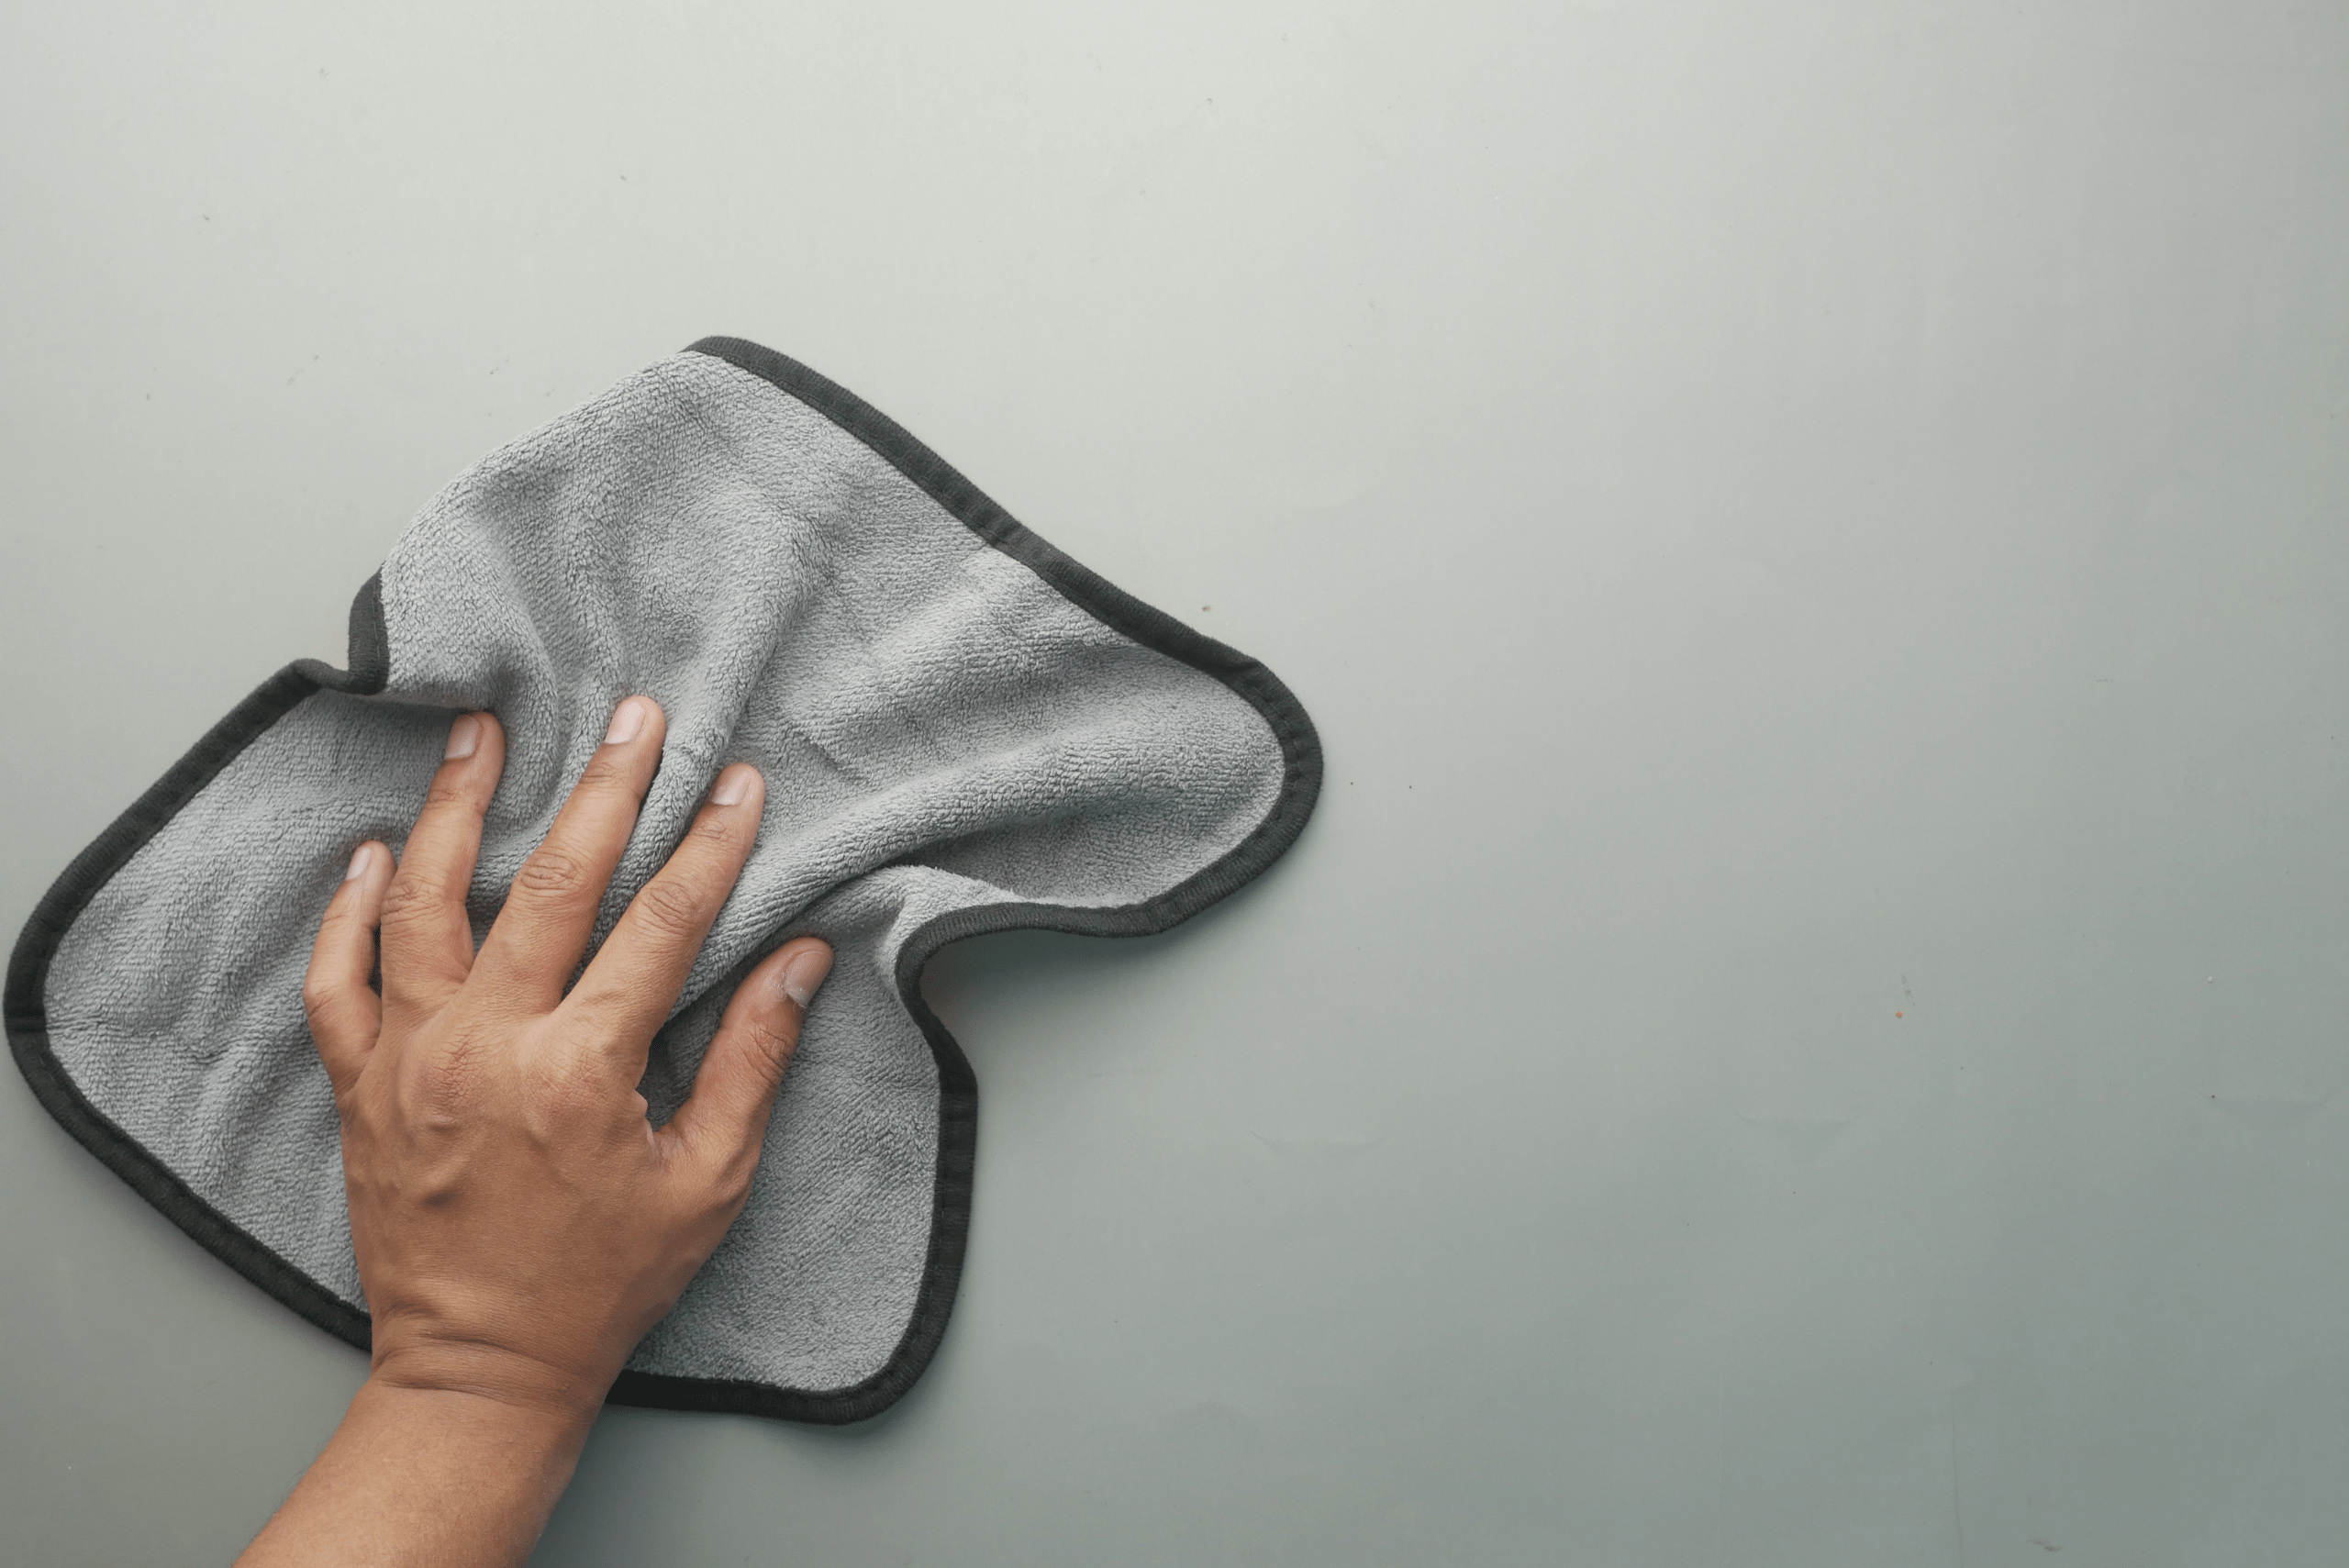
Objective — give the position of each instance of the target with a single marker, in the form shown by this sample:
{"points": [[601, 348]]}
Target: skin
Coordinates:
{"points": [[519, 1223]]}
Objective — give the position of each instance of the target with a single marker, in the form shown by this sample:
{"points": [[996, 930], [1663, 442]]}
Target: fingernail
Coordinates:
{"points": [[628, 722], [359, 858], [805, 973], [734, 785], [463, 737]]}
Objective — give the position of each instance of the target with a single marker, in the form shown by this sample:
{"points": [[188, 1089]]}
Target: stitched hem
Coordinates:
{"points": [[958, 1086]]}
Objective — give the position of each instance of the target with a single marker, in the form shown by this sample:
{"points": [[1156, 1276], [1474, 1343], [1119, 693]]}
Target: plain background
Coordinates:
{"points": [[1809, 1029]]}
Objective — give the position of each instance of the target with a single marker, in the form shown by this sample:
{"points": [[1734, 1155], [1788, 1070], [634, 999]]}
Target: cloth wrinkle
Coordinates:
{"points": [[958, 735]]}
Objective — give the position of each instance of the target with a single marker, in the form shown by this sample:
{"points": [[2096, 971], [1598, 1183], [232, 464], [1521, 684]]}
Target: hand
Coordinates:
{"points": [[518, 1222]]}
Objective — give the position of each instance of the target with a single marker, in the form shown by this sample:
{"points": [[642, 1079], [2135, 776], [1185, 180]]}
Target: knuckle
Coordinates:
{"points": [[607, 775], [722, 1171], [768, 1051], [669, 907], [565, 1089], [412, 898], [553, 874], [457, 1072], [720, 827], [318, 991], [321, 999], [448, 789], [444, 1078], [729, 1187]]}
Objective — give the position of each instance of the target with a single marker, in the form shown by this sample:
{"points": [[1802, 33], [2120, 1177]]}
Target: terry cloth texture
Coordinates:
{"points": [[962, 729]]}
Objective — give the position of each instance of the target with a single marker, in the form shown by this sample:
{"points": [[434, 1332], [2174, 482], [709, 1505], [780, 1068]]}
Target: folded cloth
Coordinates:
{"points": [[963, 731]]}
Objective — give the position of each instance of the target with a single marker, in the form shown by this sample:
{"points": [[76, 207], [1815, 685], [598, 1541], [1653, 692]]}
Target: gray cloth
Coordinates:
{"points": [[962, 730]]}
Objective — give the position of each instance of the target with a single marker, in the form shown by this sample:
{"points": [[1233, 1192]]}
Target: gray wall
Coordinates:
{"points": [[1808, 1028]]}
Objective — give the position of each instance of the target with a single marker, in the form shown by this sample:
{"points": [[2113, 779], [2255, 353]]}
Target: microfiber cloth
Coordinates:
{"points": [[962, 731]]}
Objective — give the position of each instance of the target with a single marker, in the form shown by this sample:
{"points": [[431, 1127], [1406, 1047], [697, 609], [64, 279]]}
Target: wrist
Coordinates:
{"points": [[431, 1464], [533, 1388]]}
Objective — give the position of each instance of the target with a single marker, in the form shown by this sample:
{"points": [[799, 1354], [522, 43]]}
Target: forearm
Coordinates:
{"points": [[427, 1475]]}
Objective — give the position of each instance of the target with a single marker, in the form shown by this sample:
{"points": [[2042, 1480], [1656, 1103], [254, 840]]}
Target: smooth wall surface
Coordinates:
{"points": [[1809, 1028]]}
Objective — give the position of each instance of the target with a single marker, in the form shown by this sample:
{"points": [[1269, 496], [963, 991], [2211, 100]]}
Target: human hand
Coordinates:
{"points": [[520, 1224]]}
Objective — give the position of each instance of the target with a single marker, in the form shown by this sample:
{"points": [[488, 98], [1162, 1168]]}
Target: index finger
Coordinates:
{"points": [[427, 941]]}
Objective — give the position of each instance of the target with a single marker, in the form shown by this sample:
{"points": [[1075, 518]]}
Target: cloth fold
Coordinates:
{"points": [[962, 729]]}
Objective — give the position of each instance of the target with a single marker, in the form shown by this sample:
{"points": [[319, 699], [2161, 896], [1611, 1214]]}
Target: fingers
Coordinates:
{"points": [[345, 1013], [427, 942], [722, 1123], [551, 909], [634, 981]]}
